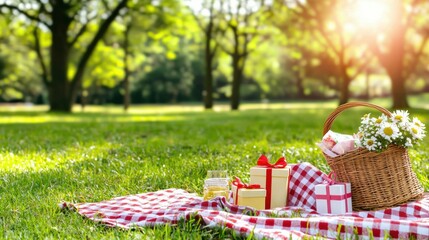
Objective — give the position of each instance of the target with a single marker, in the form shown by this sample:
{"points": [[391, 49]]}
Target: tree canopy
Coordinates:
{"points": [[163, 51]]}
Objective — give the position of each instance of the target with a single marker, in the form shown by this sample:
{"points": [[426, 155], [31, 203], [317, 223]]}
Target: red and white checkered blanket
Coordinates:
{"points": [[410, 220]]}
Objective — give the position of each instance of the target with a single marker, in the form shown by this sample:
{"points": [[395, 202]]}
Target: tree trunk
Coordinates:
{"points": [[368, 85], [393, 60], [236, 71], [127, 98], [59, 99], [236, 83], [344, 79], [208, 88], [399, 93], [83, 99], [300, 84], [209, 55], [62, 92], [344, 87], [59, 89], [208, 81], [395, 67], [344, 92]]}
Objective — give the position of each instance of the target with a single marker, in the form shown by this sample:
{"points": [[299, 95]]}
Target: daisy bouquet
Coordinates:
{"points": [[377, 133]]}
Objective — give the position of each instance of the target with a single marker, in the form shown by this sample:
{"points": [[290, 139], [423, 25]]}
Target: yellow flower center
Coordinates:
{"points": [[398, 117], [388, 131], [379, 120], [417, 124], [370, 142], [414, 130]]}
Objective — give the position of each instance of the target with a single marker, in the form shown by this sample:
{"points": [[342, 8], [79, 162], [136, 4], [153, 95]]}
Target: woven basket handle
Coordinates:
{"points": [[339, 109]]}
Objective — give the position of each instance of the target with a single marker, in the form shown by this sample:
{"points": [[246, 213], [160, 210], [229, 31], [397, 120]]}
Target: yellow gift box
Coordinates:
{"points": [[248, 195], [274, 178]]}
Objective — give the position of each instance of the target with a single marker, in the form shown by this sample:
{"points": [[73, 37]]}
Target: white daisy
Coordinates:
{"points": [[358, 137], [400, 116], [417, 132], [366, 119], [388, 131], [380, 120], [417, 122], [358, 143], [409, 143], [371, 143]]}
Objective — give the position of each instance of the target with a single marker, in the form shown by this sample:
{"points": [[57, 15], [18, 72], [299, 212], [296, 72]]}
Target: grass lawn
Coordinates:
{"points": [[103, 153]]}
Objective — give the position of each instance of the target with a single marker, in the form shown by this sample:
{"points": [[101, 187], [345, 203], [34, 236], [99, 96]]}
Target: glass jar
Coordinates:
{"points": [[216, 184]]}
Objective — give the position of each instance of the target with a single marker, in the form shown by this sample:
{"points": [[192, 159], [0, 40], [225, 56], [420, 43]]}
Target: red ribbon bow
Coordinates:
{"points": [[328, 197], [332, 178], [263, 162], [237, 182]]}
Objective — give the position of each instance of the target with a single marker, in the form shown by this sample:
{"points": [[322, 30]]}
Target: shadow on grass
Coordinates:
{"points": [[30, 199]]}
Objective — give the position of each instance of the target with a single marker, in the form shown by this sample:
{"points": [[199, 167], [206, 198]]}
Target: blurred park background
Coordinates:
{"points": [[65, 52]]}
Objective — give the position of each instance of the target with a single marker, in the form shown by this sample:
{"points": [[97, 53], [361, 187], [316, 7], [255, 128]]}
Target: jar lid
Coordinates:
{"points": [[216, 182]]}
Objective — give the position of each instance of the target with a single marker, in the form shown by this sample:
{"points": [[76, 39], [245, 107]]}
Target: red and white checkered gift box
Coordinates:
{"points": [[333, 198], [407, 221]]}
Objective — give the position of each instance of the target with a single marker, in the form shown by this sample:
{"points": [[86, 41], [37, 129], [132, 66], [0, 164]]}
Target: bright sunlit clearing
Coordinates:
{"points": [[370, 12]]}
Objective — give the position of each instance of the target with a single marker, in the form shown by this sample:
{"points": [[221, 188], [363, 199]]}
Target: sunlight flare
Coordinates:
{"points": [[370, 13]]}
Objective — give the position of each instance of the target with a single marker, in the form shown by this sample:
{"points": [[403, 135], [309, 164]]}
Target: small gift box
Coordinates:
{"points": [[333, 197], [251, 195], [274, 178]]}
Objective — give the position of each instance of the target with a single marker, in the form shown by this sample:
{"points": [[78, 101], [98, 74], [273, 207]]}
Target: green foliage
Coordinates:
{"points": [[170, 81], [19, 72], [293, 50], [104, 153], [105, 67]]}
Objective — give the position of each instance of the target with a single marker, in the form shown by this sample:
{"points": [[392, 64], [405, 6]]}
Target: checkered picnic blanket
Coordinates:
{"points": [[168, 206]]}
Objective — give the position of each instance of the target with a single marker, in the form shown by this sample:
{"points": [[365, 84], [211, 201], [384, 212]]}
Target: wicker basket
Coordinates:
{"points": [[378, 180]]}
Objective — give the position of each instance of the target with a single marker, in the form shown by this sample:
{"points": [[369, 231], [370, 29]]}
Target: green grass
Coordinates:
{"points": [[103, 153]]}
